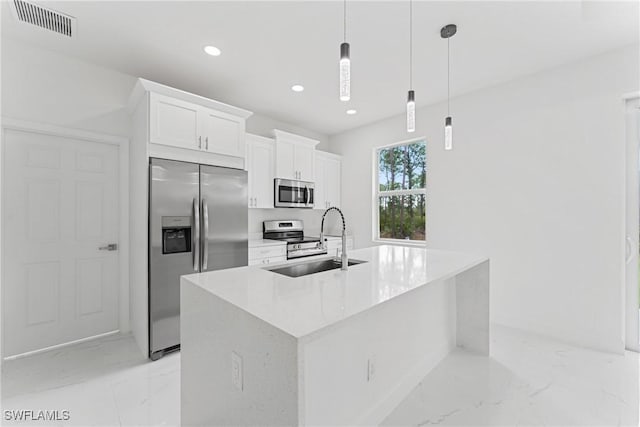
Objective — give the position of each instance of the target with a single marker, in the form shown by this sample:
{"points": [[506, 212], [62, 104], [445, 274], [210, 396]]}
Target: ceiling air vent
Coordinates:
{"points": [[44, 17]]}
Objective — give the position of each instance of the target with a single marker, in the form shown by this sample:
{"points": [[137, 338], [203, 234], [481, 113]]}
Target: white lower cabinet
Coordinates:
{"points": [[328, 180], [267, 261], [261, 171], [267, 254]]}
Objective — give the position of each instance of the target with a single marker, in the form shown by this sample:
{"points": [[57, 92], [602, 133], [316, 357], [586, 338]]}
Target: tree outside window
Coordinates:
{"points": [[401, 191]]}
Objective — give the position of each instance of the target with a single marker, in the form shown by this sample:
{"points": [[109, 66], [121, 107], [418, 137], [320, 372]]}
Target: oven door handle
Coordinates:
{"points": [[307, 195]]}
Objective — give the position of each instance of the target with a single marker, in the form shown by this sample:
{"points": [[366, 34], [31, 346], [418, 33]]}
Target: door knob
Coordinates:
{"points": [[109, 247]]}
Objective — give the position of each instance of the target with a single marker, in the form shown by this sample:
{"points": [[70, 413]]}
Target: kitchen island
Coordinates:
{"points": [[330, 348]]}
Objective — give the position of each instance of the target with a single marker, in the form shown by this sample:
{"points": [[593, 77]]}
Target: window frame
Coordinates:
{"points": [[376, 194]]}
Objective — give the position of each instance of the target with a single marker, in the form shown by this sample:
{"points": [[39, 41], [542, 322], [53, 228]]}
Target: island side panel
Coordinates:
{"points": [[211, 330], [472, 309], [357, 371]]}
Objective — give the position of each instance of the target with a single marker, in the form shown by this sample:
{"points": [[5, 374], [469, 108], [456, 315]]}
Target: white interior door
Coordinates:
{"points": [[632, 227], [60, 211]]}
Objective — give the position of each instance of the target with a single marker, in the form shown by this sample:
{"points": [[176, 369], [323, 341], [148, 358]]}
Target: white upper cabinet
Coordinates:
{"points": [[320, 199], [328, 180], [303, 160], [173, 122], [285, 163], [295, 156], [223, 133], [260, 167], [179, 119]]}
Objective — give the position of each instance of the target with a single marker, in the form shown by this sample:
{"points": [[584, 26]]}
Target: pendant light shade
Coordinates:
{"points": [[411, 112], [446, 33], [345, 72], [345, 62], [411, 97], [448, 134]]}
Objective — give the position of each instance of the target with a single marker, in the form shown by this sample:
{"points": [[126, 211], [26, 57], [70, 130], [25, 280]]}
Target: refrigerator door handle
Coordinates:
{"points": [[205, 232], [195, 239]]}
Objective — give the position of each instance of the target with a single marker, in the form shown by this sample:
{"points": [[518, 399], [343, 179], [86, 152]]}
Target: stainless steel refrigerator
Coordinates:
{"points": [[197, 222]]}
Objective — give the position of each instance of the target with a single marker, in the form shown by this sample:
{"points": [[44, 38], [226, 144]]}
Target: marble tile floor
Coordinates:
{"points": [[528, 380]]}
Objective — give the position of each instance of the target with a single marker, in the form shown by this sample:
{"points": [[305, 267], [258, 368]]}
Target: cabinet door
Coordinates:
{"points": [[173, 122], [260, 168], [303, 161], [320, 184], [285, 160], [332, 181], [223, 134]]}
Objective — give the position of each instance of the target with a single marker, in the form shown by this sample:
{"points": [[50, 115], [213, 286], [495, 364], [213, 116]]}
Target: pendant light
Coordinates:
{"points": [[345, 63], [411, 96], [447, 32]]}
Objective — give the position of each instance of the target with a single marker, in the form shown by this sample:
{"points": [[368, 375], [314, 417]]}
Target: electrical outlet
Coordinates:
{"points": [[236, 370], [371, 368]]}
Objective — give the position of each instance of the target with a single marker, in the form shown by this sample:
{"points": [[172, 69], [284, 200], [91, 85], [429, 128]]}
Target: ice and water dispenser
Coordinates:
{"points": [[176, 234]]}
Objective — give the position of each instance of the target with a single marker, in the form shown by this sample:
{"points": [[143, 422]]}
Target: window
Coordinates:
{"points": [[401, 192]]}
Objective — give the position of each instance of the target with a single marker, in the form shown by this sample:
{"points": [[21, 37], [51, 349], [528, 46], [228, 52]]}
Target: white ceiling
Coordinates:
{"points": [[269, 45]]}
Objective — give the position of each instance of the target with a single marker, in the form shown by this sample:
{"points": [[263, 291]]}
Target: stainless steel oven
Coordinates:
{"points": [[292, 232], [293, 194]]}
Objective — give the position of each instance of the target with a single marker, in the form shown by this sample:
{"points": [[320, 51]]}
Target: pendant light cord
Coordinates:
{"points": [[448, 78], [410, 44], [345, 20]]}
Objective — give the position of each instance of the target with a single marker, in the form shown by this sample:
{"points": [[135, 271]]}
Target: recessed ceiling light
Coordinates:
{"points": [[212, 50], [351, 112], [297, 88]]}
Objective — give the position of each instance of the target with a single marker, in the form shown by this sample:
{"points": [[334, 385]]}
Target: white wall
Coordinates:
{"points": [[535, 181], [43, 86]]}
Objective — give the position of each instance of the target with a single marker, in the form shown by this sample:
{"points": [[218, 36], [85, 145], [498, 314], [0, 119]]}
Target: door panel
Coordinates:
{"points": [[173, 122], [224, 134], [632, 332], [320, 184], [261, 174], [285, 160], [303, 162], [60, 206], [174, 187], [224, 192], [333, 179]]}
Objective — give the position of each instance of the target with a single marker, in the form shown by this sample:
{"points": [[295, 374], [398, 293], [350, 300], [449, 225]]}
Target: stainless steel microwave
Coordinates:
{"points": [[293, 194]]}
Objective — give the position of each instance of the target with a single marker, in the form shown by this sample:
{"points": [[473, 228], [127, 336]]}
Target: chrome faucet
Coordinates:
{"points": [[343, 259]]}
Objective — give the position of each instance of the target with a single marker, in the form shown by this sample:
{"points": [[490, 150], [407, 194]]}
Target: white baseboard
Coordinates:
{"points": [[66, 344]]}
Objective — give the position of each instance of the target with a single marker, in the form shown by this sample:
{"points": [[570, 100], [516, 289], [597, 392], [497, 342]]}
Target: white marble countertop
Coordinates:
{"points": [[304, 305]]}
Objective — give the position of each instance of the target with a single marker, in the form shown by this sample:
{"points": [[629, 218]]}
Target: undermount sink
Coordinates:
{"points": [[312, 267]]}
